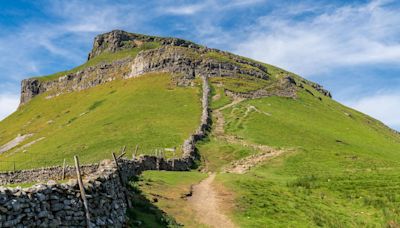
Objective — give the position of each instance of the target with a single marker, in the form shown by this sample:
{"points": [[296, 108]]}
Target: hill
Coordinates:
{"points": [[282, 151]]}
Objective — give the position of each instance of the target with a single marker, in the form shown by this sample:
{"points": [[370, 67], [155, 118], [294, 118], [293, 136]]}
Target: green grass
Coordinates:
{"points": [[145, 213], [30, 184], [169, 188], [344, 172], [217, 153], [148, 111], [103, 58], [241, 83], [221, 100], [20, 185]]}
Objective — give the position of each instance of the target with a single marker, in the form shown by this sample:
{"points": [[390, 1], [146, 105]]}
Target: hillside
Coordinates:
{"points": [[148, 111], [282, 151]]}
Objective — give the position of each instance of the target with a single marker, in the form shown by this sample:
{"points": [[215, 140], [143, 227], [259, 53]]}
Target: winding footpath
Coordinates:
{"points": [[205, 199], [206, 204], [245, 164]]}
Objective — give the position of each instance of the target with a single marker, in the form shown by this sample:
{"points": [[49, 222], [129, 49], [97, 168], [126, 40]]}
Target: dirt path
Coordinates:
{"points": [[205, 199], [220, 121], [206, 203], [247, 163]]}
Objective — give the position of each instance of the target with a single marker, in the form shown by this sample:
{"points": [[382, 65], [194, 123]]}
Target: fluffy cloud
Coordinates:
{"points": [[384, 106], [8, 104], [185, 9], [312, 39]]}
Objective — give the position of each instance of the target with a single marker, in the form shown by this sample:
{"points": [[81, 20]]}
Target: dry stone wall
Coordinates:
{"points": [[60, 205], [44, 174]]}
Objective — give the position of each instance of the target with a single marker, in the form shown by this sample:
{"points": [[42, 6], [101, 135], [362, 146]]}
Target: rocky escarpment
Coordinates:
{"points": [[177, 56], [190, 63], [118, 40], [86, 78]]}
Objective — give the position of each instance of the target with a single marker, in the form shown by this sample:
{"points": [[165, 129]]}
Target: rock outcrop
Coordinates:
{"points": [[118, 40], [177, 56], [86, 78], [190, 63]]}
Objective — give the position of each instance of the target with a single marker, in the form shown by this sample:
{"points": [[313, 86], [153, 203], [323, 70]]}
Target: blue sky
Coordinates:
{"points": [[350, 47]]}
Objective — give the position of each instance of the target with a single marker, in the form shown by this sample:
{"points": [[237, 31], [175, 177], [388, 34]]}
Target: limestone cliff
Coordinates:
{"points": [[177, 56], [118, 40]]}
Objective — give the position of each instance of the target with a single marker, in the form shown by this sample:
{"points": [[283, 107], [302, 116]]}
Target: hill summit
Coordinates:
{"points": [[135, 54]]}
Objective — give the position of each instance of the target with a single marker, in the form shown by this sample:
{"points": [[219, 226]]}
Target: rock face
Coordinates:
{"points": [[190, 63], [117, 40], [88, 77], [173, 55]]}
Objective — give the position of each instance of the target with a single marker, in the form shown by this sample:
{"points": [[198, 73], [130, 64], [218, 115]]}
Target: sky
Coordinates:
{"points": [[352, 48]]}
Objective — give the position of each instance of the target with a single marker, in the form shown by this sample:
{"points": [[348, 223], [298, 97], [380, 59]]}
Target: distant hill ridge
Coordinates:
{"points": [[119, 54]]}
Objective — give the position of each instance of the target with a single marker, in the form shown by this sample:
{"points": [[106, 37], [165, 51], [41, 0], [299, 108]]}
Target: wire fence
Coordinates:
{"points": [[31, 162], [22, 165]]}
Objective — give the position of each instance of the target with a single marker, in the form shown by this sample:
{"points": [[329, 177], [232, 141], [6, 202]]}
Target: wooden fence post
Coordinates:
{"points": [[82, 189], [63, 170], [136, 150], [122, 152], [173, 161], [128, 202]]}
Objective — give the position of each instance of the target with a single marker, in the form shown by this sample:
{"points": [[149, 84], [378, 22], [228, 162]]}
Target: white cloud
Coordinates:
{"points": [[185, 9], [8, 104], [210, 6], [382, 106], [325, 38]]}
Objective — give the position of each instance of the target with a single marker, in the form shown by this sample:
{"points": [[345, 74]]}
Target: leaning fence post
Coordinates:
{"points": [[136, 150], [63, 170], [128, 202], [173, 161], [82, 190], [122, 153]]}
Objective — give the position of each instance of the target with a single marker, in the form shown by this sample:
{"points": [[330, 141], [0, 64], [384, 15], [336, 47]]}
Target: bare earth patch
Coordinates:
{"points": [[219, 126], [13, 143], [247, 163], [208, 206], [30, 144]]}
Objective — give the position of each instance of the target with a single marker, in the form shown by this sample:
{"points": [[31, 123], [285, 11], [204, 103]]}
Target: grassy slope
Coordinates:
{"points": [[148, 111], [344, 173], [170, 189]]}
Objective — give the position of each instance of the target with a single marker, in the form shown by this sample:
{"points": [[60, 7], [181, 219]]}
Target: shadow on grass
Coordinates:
{"points": [[144, 213]]}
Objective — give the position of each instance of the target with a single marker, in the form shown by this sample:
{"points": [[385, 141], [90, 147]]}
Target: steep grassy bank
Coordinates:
{"points": [[149, 111]]}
